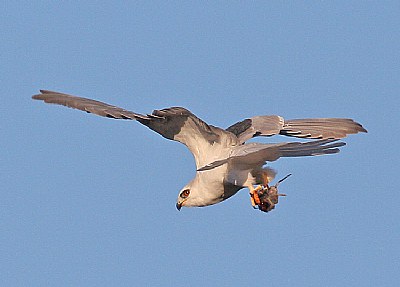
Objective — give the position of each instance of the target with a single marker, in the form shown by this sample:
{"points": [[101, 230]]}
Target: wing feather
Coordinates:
{"points": [[174, 123], [87, 105], [249, 156], [322, 128]]}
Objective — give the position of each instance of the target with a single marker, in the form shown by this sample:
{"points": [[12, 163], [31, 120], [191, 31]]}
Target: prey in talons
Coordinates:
{"points": [[265, 197]]}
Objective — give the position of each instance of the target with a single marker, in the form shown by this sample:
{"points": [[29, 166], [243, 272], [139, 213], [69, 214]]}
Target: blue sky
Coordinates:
{"points": [[89, 201]]}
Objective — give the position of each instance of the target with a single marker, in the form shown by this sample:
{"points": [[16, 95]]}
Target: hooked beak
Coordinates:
{"points": [[179, 205]]}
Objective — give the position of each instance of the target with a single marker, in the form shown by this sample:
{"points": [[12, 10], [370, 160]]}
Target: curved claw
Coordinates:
{"points": [[267, 197]]}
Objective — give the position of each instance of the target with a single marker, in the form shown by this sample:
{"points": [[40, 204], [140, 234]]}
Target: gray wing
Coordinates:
{"points": [[87, 105], [323, 128], [249, 156], [174, 123]]}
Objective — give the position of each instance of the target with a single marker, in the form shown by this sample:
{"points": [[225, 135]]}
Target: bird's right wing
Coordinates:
{"points": [[175, 123], [87, 105]]}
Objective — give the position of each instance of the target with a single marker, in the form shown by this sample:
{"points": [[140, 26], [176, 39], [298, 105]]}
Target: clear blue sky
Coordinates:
{"points": [[89, 201]]}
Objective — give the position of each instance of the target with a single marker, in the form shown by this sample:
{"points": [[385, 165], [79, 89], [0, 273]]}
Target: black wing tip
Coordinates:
{"points": [[333, 144], [38, 96], [362, 129], [206, 167], [358, 127], [43, 94]]}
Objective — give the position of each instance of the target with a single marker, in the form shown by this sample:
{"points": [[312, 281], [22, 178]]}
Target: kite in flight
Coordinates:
{"points": [[225, 162]]}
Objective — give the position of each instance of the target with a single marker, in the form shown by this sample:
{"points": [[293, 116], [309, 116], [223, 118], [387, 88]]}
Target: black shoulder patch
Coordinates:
{"points": [[169, 122], [240, 127]]}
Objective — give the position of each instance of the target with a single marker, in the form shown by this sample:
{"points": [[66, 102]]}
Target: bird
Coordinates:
{"points": [[225, 161]]}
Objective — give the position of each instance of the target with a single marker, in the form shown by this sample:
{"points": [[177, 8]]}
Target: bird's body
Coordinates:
{"points": [[225, 161]]}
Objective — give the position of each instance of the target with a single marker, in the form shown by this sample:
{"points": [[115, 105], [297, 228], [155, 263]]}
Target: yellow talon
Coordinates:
{"points": [[254, 198], [265, 197]]}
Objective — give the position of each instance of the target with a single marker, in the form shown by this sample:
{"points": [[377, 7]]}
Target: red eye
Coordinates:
{"points": [[185, 193]]}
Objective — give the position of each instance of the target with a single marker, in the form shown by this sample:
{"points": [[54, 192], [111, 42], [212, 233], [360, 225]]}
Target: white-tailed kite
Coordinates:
{"points": [[225, 162]]}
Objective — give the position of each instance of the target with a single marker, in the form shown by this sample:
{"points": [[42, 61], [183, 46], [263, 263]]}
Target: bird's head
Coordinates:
{"points": [[183, 197], [189, 196], [197, 194]]}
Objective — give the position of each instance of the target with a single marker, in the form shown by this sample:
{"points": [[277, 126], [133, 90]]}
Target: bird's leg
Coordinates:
{"points": [[265, 180], [255, 192], [254, 198]]}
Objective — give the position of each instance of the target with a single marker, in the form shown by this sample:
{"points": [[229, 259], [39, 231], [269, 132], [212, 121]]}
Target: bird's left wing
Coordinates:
{"points": [[319, 128], [175, 123], [251, 155]]}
